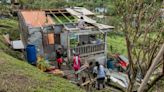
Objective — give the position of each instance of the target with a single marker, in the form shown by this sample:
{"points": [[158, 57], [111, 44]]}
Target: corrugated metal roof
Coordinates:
{"points": [[83, 10], [36, 18], [79, 11], [78, 14], [102, 26], [72, 12]]}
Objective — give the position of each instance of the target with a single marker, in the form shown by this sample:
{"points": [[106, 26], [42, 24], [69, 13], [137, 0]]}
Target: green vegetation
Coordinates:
{"points": [[116, 44], [9, 26], [18, 76], [5, 9]]}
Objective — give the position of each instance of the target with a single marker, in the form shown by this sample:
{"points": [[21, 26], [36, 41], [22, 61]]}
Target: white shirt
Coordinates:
{"points": [[81, 23], [100, 73]]}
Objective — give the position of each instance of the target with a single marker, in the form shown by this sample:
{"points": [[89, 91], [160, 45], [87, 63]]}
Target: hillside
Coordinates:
{"points": [[139, 38], [18, 76]]}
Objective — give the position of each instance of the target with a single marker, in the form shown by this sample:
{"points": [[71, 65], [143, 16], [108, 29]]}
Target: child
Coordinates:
{"points": [[76, 63], [59, 58]]}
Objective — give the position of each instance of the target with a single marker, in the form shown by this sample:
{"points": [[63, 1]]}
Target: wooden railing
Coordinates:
{"points": [[89, 49]]}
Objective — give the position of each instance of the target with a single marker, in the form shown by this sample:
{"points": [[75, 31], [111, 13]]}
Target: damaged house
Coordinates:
{"points": [[50, 29]]}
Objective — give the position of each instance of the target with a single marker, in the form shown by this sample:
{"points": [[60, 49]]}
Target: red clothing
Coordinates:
{"points": [[59, 60], [76, 63], [123, 64]]}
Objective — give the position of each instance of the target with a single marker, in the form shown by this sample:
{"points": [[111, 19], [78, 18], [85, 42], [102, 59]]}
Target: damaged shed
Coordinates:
{"points": [[53, 28]]}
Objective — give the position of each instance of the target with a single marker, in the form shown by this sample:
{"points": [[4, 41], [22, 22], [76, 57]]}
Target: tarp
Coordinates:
{"points": [[118, 77]]}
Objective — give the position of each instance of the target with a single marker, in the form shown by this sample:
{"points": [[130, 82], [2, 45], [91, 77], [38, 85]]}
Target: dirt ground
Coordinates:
{"points": [[69, 72]]}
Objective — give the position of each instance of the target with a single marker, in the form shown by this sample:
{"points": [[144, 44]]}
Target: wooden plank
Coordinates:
{"points": [[72, 12], [68, 47], [66, 17], [56, 17], [56, 12], [51, 9], [71, 29], [81, 69], [89, 82]]}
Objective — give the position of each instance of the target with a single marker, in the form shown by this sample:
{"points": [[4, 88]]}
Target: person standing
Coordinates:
{"points": [[59, 58], [100, 71], [76, 63], [81, 23]]}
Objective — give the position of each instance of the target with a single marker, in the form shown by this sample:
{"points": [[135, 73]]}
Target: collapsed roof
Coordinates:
{"points": [[33, 18], [36, 18]]}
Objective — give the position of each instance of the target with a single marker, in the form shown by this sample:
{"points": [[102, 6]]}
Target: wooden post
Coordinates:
{"points": [[151, 69], [106, 51], [43, 45], [68, 46], [105, 40]]}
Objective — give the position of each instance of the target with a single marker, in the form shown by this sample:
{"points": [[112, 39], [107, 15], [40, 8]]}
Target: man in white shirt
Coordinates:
{"points": [[81, 23]]}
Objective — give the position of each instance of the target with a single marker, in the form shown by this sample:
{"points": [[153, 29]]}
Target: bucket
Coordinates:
{"points": [[31, 54]]}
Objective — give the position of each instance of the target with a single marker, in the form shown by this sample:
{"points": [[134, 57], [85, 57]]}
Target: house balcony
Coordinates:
{"points": [[89, 49]]}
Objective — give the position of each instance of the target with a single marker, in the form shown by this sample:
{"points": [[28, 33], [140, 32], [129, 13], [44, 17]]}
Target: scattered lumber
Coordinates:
{"points": [[89, 82], [82, 68]]}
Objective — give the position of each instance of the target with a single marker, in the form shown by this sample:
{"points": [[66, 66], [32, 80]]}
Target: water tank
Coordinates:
{"points": [[31, 54]]}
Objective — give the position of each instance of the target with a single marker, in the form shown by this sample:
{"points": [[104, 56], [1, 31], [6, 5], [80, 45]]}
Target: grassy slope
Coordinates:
{"points": [[18, 76]]}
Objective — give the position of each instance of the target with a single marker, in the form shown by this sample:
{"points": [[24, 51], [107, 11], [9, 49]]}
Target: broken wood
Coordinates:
{"points": [[81, 69], [89, 82]]}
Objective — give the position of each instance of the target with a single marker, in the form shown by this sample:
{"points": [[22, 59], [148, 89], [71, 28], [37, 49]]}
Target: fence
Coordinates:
{"points": [[89, 49]]}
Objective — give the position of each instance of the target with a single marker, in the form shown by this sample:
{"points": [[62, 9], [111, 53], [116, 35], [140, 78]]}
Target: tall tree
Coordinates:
{"points": [[143, 30]]}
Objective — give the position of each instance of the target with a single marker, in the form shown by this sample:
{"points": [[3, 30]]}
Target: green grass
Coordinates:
{"points": [[18, 76], [9, 26], [116, 44]]}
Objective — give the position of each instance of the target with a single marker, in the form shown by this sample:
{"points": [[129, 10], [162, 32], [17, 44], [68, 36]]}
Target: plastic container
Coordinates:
{"points": [[110, 64], [31, 54]]}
